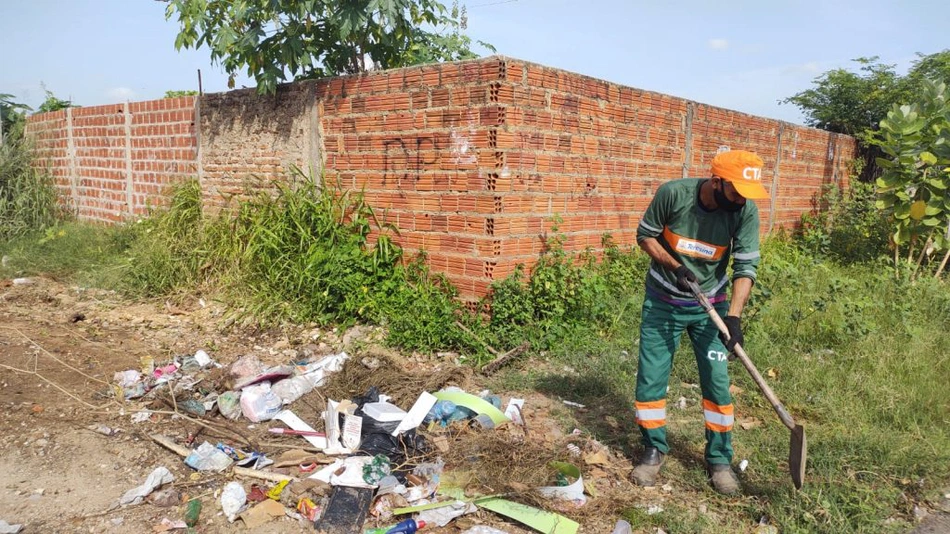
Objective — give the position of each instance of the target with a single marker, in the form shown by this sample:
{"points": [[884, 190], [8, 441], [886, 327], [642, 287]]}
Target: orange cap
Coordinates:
{"points": [[743, 170]]}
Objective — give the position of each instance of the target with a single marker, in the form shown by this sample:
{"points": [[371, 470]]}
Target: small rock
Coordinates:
{"points": [[667, 488], [920, 513], [654, 509], [703, 508], [41, 442], [307, 351]]}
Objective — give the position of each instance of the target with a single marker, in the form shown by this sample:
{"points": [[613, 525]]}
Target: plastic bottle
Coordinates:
{"points": [[192, 511], [409, 526], [441, 412]]}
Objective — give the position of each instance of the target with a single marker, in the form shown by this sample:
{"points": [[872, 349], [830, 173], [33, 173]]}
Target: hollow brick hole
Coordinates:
{"points": [[499, 159], [496, 247], [490, 268], [492, 181], [493, 138], [494, 89], [498, 205], [490, 226]]}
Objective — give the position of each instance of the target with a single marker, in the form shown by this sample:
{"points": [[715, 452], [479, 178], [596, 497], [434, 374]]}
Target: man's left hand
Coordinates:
{"points": [[735, 332]]}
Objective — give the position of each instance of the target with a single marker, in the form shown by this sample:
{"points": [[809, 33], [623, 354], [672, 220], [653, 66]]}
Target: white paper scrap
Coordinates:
{"points": [[417, 413], [290, 419], [513, 410]]}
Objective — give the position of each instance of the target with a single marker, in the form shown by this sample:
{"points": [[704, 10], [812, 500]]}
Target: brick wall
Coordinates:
{"points": [[111, 161], [470, 160]]}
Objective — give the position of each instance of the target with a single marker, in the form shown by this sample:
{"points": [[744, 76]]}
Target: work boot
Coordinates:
{"points": [[723, 478], [644, 474]]}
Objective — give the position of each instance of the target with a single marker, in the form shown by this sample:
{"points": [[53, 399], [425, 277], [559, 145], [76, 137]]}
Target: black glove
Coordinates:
{"points": [[684, 275], [735, 332]]}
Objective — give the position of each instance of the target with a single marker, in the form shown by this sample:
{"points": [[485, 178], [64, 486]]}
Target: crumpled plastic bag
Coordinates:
{"points": [[156, 478]]}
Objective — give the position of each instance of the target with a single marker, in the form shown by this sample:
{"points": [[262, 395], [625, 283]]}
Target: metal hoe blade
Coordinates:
{"points": [[798, 456]]}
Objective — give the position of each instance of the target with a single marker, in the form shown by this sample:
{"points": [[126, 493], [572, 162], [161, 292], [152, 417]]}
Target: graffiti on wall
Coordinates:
{"points": [[406, 158]]}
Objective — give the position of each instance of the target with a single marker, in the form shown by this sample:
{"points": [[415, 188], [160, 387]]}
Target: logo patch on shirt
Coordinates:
{"points": [[693, 247]]}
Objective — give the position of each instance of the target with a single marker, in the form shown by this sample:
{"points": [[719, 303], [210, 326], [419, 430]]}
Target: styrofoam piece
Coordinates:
{"points": [[384, 412]]}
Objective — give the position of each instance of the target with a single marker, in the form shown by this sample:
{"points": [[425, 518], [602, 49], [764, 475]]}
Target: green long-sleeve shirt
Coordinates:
{"points": [[702, 240]]}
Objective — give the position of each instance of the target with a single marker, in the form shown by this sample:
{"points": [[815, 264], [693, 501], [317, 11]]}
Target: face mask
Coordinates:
{"points": [[724, 203]]}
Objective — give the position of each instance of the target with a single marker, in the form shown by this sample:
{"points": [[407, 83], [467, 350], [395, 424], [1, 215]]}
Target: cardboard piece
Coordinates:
{"points": [[546, 522], [331, 420], [345, 512], [261, 513]]}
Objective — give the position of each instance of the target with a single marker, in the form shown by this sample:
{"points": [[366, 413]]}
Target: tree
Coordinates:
{"points": [[854, 103], [915, 184], [279, 40], [53, 103], [175, 94], [12, 118]]}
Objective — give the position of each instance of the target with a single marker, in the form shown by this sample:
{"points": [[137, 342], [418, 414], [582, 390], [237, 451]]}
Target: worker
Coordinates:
{"points": [[691, 230]]}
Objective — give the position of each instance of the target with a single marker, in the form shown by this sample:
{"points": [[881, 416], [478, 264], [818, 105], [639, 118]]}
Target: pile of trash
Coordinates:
{"points": [[364, 465]]}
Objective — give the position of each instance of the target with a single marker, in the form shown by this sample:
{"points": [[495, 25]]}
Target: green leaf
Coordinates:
{"points": [[928, 158]]}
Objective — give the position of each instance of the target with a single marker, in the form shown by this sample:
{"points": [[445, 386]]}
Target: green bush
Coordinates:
{"points": [[847, 226]]}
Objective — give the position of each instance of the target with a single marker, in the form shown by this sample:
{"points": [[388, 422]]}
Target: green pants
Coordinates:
{"points": [[660, 332]]}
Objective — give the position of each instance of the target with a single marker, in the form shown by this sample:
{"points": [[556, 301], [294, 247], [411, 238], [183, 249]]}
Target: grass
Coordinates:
{"points": [[860, 359], [857, 356], [82, 253]]}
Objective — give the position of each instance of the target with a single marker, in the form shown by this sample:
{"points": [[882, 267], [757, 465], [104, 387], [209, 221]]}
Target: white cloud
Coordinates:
{"points": [[120, 94], [718, 44]]}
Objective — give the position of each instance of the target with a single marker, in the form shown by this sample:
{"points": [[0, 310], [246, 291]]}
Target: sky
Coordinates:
{"points": [[745, 55]]}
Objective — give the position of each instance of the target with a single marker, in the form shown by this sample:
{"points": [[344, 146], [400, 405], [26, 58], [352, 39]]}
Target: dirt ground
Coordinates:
{"points": [[59, 348]]}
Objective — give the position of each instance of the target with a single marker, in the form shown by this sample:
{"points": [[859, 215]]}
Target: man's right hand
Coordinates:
{"points": [[683, 277]]}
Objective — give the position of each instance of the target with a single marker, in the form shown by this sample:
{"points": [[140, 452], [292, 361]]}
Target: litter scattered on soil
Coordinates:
{"points": [[157, 416]]}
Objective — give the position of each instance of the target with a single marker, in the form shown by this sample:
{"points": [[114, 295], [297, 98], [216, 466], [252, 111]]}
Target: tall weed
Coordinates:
{"points": [[177, 246], [28, 198]]}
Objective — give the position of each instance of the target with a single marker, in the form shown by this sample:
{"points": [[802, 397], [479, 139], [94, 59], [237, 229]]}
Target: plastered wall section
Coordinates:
{"points": [[249, 141], [112, 162]]}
